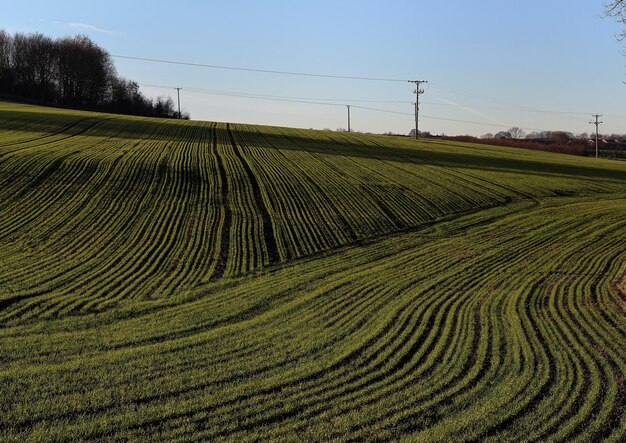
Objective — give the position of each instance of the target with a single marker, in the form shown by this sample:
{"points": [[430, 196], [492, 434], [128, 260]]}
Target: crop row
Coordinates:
{"points": [[479, 334], [99, 210], [185, 281]]}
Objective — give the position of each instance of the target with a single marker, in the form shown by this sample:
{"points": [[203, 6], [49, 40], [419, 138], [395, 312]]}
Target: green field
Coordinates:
{"points": [[179, 281]]}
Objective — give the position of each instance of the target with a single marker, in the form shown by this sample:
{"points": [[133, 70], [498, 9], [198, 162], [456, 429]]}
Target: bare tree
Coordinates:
{"points": [[560, 137], [71, 77], [6, 62], [164, 106], [71, 71], [502, 135], [85, 71], [23, 66], [43, 58], [5, 48], [516, 132], [617, 10]]}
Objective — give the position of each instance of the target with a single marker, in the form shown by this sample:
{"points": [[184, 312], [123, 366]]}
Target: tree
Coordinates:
{"points": [[560, 137], [502, 135], [164, 107], [617, 10], [43, 58], [582, 138], [516, 132], [534, 135], [71, 71], [23, 66], [6, 62], [71, 80], [85, 71]]}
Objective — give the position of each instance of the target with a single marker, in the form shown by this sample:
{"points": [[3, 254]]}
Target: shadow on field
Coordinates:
{"points": [[323, 142], [389, 149]]}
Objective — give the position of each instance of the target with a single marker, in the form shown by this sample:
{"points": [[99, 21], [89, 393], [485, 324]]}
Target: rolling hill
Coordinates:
{"points": [[182, 281]]}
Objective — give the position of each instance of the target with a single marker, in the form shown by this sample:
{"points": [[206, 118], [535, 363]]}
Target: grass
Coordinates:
{"points": [[184, 281]]}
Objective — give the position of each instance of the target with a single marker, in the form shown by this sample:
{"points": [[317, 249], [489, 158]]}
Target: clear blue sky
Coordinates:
{"points": [[490, 62]]}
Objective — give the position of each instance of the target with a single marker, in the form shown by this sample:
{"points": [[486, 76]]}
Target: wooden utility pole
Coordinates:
{"points": [[418, 92], [597, 122], [178, 92]]}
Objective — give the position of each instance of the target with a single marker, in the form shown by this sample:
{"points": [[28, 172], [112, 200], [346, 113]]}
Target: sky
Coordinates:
{"points": [[490, 65]]}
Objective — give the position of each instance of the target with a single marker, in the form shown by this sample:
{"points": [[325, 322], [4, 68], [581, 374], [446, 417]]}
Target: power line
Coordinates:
{"points": [[249, 94], [282, 98], [333, 76], [524, 109], [521, 109], [337, 103], [500, 125], [382, 110], [258, 97], [264, 71]]}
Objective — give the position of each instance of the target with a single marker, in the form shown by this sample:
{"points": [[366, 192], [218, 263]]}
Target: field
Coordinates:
{"points": [[180, 281]]}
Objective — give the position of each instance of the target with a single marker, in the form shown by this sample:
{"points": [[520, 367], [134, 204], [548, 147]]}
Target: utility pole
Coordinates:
{"points": [[418, 92], [348, 106], [178, 92], [597, 123]]}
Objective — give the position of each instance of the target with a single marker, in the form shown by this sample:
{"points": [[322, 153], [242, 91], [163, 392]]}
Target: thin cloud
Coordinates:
{"points": [[88, 27], [472, 111]]}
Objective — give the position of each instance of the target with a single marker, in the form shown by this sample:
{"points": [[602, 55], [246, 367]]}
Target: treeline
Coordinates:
{"points": [[73, 72]]}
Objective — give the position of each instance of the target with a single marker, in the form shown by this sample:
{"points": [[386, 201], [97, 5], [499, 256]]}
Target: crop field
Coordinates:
{"points": [[180, 281]]}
